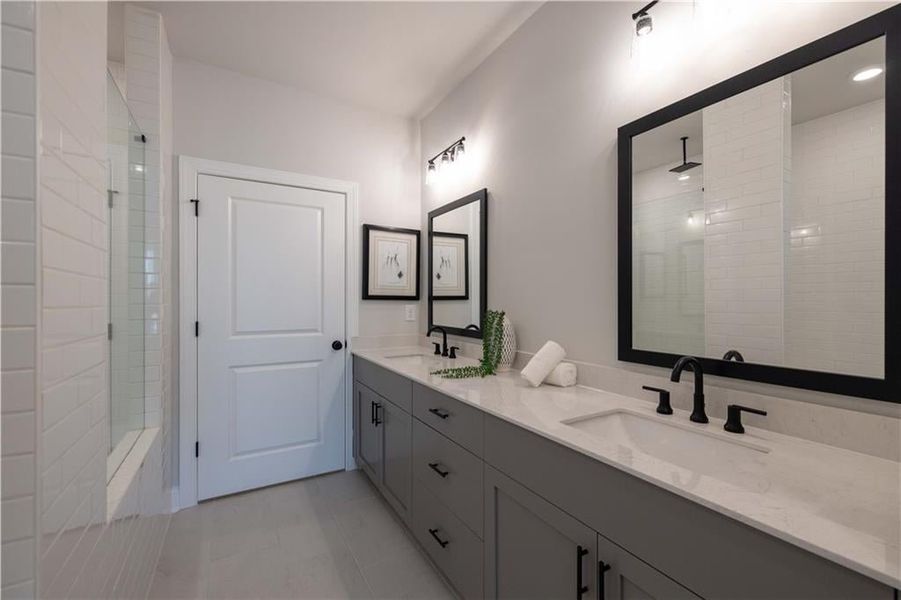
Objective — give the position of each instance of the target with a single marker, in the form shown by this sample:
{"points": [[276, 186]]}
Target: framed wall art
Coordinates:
{"points": [[390, 263]]}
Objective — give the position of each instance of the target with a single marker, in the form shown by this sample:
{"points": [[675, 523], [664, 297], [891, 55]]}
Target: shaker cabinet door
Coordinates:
{"points": [[396, 456], [622, 576], [532, 548], [369, 409]]}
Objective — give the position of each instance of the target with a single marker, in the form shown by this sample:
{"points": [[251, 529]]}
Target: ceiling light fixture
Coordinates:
{"points": [[452, 153], [867, 73], [644, 24]]}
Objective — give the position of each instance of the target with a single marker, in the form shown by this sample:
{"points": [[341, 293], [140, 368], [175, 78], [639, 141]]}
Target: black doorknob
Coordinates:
{"points": [[337, 345]]}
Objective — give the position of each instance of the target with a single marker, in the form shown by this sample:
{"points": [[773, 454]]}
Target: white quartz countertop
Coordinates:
{"points": [[838, 504]]}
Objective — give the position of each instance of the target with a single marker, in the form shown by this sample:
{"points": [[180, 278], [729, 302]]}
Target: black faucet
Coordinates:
{"points": [[734, 354], [443, 339], [690, 362]]}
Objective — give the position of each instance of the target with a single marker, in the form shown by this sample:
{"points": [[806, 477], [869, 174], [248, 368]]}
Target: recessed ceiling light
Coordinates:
{"points": [[867, 73]]}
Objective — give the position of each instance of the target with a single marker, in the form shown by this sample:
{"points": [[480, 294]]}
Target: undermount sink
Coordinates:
{"points": [[684, 445], [411, 359]]}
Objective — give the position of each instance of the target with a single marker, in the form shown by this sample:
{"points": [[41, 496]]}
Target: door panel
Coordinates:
{"points": [[397, 456], [270, 292], [625, 577], [369, 443], [532, 548]]}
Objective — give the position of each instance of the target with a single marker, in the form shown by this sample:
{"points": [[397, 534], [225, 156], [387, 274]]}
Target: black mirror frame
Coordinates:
{"points": [[481, 197], [886, 23]]}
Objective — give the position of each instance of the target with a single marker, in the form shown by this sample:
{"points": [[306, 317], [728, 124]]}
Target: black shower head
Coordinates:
{"points": [[686, 165]]}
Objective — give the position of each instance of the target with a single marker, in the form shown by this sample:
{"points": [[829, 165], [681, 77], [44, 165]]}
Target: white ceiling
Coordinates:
{"points": [[396, 57]]}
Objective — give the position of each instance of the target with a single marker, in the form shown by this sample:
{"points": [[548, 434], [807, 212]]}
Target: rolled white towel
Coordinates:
{"points": [[563, 375], [543, 363]]}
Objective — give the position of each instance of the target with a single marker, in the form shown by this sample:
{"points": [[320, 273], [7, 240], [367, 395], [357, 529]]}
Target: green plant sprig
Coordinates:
{"points": [[492, 347]]}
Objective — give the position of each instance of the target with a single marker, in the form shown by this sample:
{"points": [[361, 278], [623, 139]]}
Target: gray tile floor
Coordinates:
{"points": [[325, 537]]}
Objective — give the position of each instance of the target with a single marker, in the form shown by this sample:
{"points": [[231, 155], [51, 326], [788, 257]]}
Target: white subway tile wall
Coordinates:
{"points": [[82, 552], [835, 292], [744, 184], [668, 260], [18, 320]]}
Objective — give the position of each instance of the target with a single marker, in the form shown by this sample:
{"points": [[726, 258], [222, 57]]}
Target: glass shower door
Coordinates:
{"points": [[125, 194]]}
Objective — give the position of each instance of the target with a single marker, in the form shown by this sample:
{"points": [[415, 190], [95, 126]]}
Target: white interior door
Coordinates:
{"points": [[270, 301]]}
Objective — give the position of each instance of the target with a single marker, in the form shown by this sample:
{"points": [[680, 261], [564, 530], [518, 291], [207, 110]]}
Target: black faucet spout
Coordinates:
{"points": [[444, 351], [698, 414]]}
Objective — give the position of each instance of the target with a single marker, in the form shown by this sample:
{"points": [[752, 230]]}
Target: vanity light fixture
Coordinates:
{"points": [[867, 73], [452, 153], [644, 24]]}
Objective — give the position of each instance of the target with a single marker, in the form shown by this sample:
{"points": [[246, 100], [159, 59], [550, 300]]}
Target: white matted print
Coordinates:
{"points": [[390, 263], [450, 266]]}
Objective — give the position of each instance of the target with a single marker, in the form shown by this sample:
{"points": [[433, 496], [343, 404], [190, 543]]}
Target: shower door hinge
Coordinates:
{"points": [[196, 328], [197, 449], [196, 206], [109, 197], [141, 138], [109, 331]]}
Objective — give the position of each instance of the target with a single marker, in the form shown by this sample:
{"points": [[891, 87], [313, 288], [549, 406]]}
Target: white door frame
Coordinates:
{"points": [[189, 169]]}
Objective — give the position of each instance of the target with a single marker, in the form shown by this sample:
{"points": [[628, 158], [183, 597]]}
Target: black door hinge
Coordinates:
{"points": [[196, 449], [196, 328], [143, 138], [196, 203]]}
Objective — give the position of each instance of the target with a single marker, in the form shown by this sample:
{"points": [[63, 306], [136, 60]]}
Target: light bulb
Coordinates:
{"points": [[459, 152], [431, 174], [867, 73], [644, 25], [445, 160]]}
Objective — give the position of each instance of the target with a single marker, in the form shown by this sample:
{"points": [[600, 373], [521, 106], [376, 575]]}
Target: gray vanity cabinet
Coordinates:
{"points": [[383, 433], [368, 440], [396, 455], [622, 576], [532, 548]]}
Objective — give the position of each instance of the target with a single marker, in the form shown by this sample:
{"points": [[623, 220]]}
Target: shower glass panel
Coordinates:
{"points": [[125, 195]]}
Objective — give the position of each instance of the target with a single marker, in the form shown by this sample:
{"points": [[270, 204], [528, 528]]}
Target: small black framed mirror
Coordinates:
{"points": [[458, 265], [759, 221]]}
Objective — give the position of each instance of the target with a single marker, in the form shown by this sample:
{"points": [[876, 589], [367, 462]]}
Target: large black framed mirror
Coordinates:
{"points": [[458, 265], [759, 221]]}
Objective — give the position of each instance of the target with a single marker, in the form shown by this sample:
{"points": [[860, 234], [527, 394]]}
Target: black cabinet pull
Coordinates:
{"points": [[434, 467], [442, 543], [580, 589], [440, 413], [602, 569], [371, 411], [377, 421]]}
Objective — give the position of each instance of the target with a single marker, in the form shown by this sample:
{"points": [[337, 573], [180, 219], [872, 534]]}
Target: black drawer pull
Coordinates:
{"points": [[442, 543], [602, 569], [377, 421], [434, 467], [439, 412], [580, 589]]}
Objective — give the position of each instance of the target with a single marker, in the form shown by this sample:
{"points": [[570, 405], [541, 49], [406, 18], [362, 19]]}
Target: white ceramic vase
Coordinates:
{"points": [[508, 346]]}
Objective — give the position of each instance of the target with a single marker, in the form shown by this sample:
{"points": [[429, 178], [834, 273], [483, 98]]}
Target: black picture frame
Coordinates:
{"points": [[465, 238], [365, 270], [886, 23], [481, 197]]}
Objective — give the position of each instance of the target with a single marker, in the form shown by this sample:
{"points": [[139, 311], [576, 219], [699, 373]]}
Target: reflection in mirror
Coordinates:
{"points": [[758, 223], [456, 253]]}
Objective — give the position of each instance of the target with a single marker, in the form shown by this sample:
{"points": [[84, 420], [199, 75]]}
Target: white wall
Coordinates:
{"points": [[18, 321], [540, 117], [223, 115]]}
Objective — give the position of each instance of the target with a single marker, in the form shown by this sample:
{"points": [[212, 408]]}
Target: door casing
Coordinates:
{"points": [[189, 169]]}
